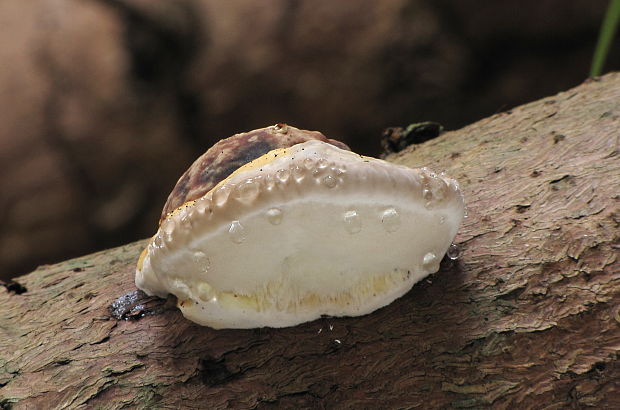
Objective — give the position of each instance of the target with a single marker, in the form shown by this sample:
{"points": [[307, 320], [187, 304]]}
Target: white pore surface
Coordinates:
{"points": [[306, 246]]}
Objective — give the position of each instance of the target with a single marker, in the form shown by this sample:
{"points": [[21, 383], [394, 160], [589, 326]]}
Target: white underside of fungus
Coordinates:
{"points": [[302, 232]]}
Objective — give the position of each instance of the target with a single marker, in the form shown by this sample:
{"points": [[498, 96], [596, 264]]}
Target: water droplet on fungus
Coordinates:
{"points": [[236, 232], [330, 181], [352, 222], [390, 220], [274, 216], [453, 252]]}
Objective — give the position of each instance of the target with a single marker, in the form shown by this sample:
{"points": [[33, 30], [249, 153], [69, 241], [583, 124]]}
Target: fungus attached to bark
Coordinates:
{"points": [[301, 232]]}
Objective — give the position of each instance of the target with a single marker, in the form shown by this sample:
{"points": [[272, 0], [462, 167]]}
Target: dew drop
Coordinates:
{"points": [[167, 238], [247, 191], [427, 194], [167, 227], [390, 220], [158, 242], [429, 261], [206, 292], [299, 173], [270, 182], [283, 175], [236, 232], [453, 252], [203, 205], [352, 222], [330, 181], [187, 221], [274, 216], [179, 288], [202, 260], [182, 212], [321, 163], [454, 185], [442, 190], [220, 196], [308, 163]]}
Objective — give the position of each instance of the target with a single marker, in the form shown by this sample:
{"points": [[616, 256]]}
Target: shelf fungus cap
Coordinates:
{"points": [[301, 232]]}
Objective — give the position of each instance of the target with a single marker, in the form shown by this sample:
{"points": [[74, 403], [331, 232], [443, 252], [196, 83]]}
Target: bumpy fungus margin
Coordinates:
{"points": [[302, 232], [527, 317]]}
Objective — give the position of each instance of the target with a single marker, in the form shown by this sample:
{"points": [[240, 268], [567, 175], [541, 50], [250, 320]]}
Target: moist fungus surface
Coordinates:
{"points": [[229, 154], [302, 232]]}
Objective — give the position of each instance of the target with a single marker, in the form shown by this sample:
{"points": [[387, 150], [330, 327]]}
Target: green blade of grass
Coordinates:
{"points": [[608, 31]]}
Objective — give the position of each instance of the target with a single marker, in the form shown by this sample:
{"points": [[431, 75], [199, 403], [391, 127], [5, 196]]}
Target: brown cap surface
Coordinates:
{"points": [[227, 155]]}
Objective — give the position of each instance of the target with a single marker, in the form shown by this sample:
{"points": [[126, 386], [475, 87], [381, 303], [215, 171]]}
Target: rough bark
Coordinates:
{"points": [[527, 317], [106, 102]]}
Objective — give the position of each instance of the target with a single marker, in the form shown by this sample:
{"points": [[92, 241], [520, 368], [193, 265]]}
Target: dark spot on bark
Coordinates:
{"points": [[558, 137], [62, 362], [561, 182], [455, 155], [214, 372], [5, 404], [600, 366], [396, 139], [77, 269], [521, 208], [13, 287]]}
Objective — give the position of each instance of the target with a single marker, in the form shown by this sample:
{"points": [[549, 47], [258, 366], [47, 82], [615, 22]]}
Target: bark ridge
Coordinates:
{"points": [[527, 317]]}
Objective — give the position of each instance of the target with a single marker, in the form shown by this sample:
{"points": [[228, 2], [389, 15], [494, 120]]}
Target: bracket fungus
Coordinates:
{"points": [[303, 230]]}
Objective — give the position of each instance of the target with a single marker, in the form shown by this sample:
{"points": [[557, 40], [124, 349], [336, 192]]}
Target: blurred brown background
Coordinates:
{"points": [[105, 103]]}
